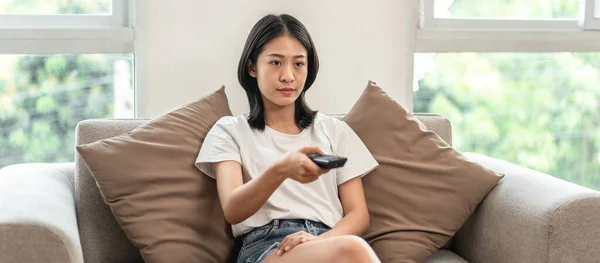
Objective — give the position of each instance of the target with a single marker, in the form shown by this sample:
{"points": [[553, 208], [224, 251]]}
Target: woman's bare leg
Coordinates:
{"points": [[347, 249]]}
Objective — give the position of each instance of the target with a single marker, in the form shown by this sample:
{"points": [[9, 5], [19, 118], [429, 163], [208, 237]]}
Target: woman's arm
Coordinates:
{"points": [[239, 200], [356, 215]]}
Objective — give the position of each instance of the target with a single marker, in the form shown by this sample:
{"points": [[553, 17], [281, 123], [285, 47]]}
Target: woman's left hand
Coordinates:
{"points": [[292, 240]]}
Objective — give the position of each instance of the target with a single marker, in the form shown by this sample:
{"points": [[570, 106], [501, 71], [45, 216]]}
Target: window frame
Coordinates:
{"points": [[508, 35], [117, 18], [589, 14], [585, 21], [69, 33]]}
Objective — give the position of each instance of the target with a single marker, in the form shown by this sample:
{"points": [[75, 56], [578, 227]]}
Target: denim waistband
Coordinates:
{"points": [[276, 223], [307, 225]]}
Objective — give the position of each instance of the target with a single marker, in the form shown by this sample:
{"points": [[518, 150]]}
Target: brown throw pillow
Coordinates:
{"points": [[167, 208], [423, 191]]}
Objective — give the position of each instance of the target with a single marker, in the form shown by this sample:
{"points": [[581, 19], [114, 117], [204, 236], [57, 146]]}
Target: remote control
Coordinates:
{"points": [[328, 161]]}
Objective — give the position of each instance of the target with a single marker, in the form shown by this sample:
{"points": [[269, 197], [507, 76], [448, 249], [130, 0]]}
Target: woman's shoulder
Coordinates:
{"points": [[231, 122], [329, 122]]}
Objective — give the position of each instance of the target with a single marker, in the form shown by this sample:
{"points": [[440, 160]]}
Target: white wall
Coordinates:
{"points": [[188, 48]]}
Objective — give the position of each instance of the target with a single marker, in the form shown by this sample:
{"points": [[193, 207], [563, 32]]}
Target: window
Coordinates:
{"points": [[44, 96], [520, 81], [540, 110], [61, 62], [510, 14]]}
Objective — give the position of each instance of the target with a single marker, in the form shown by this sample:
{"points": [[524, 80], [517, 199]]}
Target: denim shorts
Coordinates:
{"points": [[261, 241]]}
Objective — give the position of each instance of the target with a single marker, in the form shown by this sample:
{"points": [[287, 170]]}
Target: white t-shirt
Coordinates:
{"points": [[232, 138]]}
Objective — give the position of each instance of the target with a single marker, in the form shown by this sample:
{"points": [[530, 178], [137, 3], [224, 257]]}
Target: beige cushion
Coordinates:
{"points": [[423, 190], [166, 207]]}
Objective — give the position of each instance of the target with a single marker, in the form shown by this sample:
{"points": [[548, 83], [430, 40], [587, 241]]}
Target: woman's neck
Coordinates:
{"points": [[281, 119]]}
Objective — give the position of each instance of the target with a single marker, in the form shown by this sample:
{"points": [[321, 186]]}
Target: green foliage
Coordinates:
{"points": [[539, 110], [49, 95]]}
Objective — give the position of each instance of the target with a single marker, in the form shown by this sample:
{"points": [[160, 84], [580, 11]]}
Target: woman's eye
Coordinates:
{"points": [[299, 64], [275, 63]]}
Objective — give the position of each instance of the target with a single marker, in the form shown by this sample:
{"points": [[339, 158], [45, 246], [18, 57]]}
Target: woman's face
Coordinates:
{"points": [[280, 71]]}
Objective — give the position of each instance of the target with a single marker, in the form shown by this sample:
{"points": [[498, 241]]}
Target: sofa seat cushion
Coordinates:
{"points": [[445, 256]]}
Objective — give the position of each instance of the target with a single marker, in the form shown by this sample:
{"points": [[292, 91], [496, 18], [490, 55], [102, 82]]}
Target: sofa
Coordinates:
{"points": [[54, 212]]}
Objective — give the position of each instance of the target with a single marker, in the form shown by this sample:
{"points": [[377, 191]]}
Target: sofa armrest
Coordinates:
{"points": [[531, 217], [37, 214]]}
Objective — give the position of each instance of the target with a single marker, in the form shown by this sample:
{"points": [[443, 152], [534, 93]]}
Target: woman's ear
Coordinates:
{"points": [[251, 69]]}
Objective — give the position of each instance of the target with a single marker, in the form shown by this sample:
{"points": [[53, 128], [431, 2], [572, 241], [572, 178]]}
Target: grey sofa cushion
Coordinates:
{"points": [[531, 217], [445, 256]]}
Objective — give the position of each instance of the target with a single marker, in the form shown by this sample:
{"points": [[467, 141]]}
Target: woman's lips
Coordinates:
{"points": [[286, 91]]}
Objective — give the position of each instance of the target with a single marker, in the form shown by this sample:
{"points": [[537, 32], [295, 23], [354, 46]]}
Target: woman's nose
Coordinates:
{"points": [[287, 74]]}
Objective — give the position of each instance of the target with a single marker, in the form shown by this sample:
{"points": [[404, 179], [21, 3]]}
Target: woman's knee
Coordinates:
{"points": [[352, 249]]}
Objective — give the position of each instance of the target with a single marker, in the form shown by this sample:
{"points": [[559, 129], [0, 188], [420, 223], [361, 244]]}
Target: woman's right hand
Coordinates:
{"points": [[298, 167]]}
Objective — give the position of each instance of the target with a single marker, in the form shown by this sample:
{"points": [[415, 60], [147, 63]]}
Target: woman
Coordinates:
{"points": [[281, 205]]}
